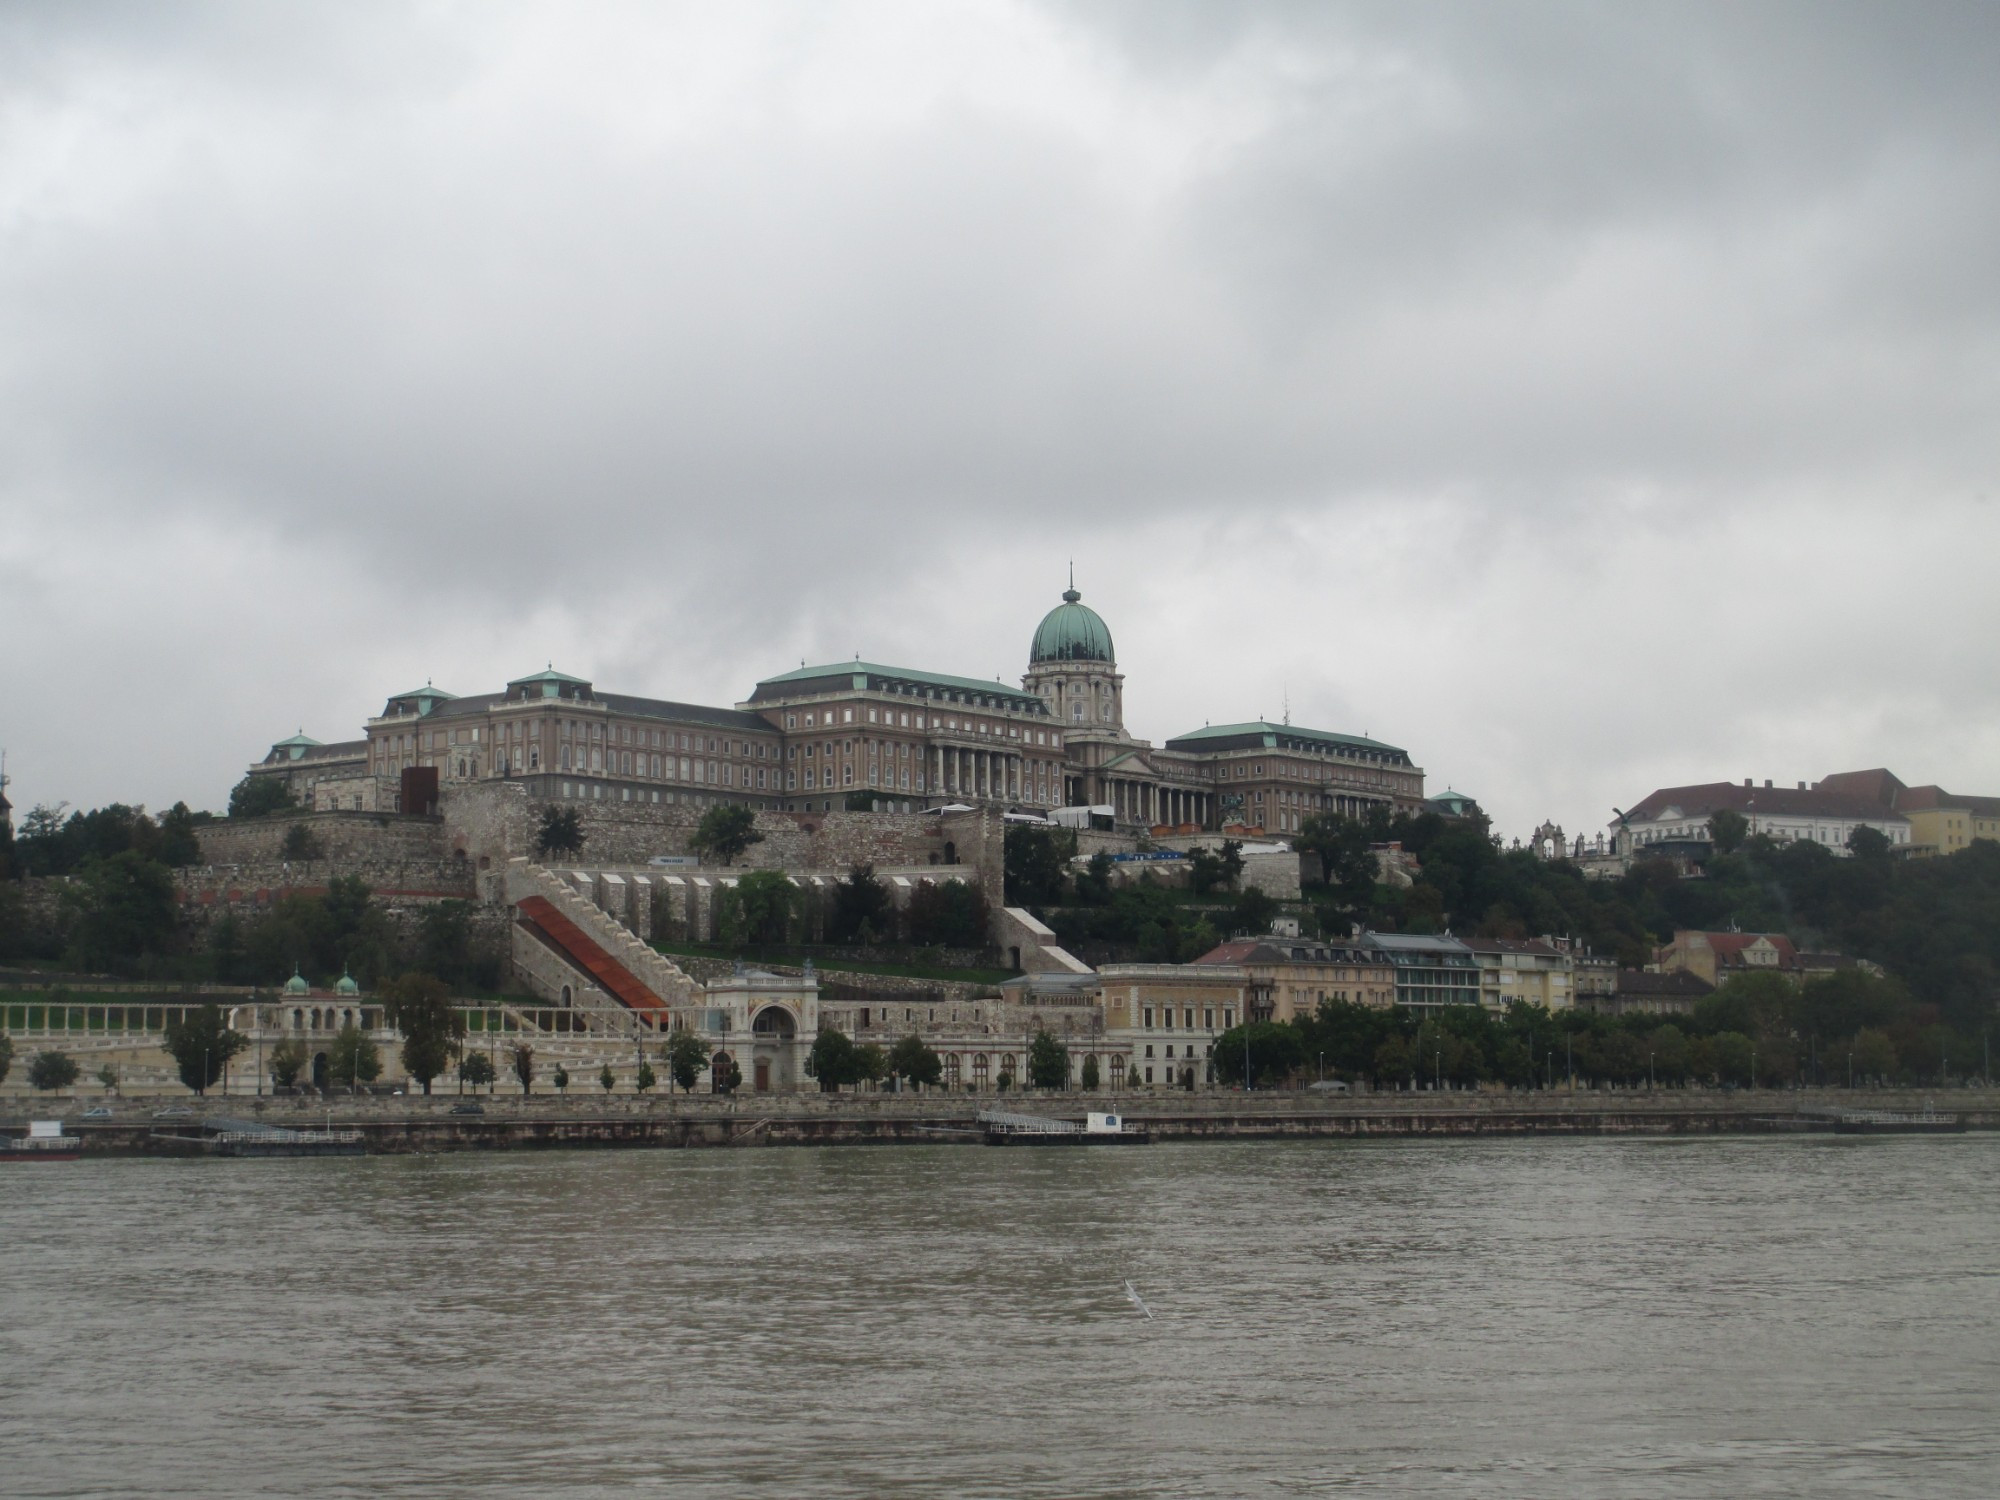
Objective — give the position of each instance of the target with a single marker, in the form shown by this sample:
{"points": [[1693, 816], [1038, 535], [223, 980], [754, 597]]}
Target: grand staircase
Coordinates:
{"points": [[600, 947]]}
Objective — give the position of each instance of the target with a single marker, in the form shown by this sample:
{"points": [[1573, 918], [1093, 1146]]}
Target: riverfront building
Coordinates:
{"points": [[892, 738]]}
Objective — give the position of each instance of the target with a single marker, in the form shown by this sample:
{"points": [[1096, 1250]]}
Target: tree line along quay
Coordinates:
{"points": [[485, 932]]}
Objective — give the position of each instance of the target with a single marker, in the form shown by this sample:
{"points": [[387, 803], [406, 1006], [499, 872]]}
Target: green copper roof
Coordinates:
{"points": [[866, 675], [301, 738], [1072, 631], [551, 675], [1271, 734]]}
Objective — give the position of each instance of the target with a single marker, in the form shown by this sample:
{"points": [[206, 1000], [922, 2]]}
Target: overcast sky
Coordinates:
{"points": [[1588, 398]]}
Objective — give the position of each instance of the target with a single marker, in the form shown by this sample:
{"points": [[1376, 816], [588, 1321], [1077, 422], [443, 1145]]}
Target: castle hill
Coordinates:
{"points": [[881, 902]]}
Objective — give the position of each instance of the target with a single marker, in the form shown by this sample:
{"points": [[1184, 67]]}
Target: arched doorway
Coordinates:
{"points": [[718, 1070], [774, 1038], [319, 1071]]}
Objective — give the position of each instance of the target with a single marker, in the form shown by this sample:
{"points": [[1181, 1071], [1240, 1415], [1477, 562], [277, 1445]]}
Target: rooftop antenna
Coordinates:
{"points": [[1288, 705]]}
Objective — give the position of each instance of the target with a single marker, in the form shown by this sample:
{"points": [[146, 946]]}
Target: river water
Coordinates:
{"points": [[1763, 1316]]}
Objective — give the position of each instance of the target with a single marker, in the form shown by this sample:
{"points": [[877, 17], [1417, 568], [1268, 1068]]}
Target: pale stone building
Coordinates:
{"points": [[894, 738]]}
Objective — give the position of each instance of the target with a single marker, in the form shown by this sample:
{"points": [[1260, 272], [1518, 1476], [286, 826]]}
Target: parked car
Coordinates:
{"points": [[98, 1112], [1328, 1086], [174, 1112], [470, 1107]]}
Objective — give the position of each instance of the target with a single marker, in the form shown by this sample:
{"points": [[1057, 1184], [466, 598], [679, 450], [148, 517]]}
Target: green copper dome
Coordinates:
{"points": [[1072, 631], [347, 986], [296, 985]]}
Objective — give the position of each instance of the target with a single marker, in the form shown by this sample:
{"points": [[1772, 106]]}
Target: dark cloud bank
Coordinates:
{"points": [[1585, 397]]}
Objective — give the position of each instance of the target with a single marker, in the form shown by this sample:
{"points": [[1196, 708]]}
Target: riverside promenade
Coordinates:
{"points": [[544, 1121]]}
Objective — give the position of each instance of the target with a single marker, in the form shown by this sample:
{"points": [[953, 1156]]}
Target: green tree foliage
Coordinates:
{"points": [[871, 1063], [560, 833], [645, 1078], [861, 910], [446, 947], [1873, 1056], [1048, 1061], [606, 1079], [1205, 873], [1093, 884], [288, 1062], [201, 1044], [724, 832], [353, 1059], [832, 1059], [1144, 918], [50, 1071], [1869, 844], [260, 797], [476, 1069], [6, 1056], [124, 913], [1231, 855], [1034, 863], [560, 1078], [724, 1077], [419, 1005], [1253, 913], [1347, 869], [948, 914], [1727, 829], [108, 1076], [1091, 1076], [342, 930], [301, 843], [913, 1060], [685, 1056], [761, 909], [523, 1058], [1274, 1053], [179, 846]]}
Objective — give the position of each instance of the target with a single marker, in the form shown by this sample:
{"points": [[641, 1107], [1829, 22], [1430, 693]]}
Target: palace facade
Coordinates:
{"points": [[895, 738]]}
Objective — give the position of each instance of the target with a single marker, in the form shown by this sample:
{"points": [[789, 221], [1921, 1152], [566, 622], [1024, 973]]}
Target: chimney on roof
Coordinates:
{"points": [[1767, 781], [1748, 782], [1802, 786]]}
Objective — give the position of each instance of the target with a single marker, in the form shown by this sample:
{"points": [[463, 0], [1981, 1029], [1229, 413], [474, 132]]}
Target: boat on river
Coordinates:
{"points": [[44, 1141], [1007, 1128], [1891, 1122]]}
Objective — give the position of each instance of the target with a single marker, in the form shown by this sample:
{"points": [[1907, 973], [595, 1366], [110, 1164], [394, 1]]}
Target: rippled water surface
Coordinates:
{"points": [[1550, 1318]]}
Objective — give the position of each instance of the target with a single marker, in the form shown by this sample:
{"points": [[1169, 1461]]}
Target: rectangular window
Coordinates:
{"points": [[1149, 1017]]}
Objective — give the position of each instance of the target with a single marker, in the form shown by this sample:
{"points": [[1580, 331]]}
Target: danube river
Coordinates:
{"points": [[1766, 1316]]}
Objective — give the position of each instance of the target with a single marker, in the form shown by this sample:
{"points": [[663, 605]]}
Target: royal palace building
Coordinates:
{"points": [[893, 738]]}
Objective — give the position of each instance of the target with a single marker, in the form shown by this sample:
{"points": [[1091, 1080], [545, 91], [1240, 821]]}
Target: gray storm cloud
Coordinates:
{"points": [[1581, 396]]}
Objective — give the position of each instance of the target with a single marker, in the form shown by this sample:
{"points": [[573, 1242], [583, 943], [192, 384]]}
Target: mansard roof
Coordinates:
{"points": [[873, 677], [1261, 733], [1778, 801]]}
